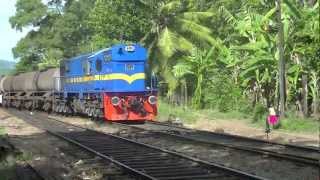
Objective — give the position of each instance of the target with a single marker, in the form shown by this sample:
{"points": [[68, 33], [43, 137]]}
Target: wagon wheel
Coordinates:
{"points": [[5, 104], [98, 113], [91, 114], [65, 111]]}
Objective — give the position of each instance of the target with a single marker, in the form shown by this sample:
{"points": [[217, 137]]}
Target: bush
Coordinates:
{"points": [[223, 94], [259, 113]]}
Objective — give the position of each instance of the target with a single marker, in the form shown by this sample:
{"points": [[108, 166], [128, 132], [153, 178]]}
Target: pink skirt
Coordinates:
{"points": [[273, 119]]}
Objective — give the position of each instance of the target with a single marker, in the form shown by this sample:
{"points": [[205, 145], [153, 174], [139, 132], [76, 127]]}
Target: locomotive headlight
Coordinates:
{"points": [[129, 48], [152, 100], [115, 100]]}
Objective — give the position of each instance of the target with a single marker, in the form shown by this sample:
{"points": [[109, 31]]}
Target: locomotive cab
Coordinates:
{"points": [[123, 67]]}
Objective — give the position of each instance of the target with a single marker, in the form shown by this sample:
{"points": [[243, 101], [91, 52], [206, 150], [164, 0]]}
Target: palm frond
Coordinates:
{"points": [[228, 15], [268, 15], [198, 31], [209, 54], [197, 16], [183, 44], [170, 7], [295, 11], [181, 69], [166, 43]]}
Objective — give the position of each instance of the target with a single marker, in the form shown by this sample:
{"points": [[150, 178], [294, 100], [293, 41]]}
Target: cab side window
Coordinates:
{"points": [[98, 65], [66, 67], [107, 57], [86, 67]]}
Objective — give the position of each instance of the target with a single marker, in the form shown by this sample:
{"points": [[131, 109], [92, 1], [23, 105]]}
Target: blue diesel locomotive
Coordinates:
{"points": [[109, 84]]}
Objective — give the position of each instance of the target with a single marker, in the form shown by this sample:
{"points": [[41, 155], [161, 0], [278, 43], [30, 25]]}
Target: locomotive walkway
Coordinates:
{"points": [[141, 160]]}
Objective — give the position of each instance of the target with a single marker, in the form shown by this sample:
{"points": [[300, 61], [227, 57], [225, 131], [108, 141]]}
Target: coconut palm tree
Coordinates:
{"points": [[176, 29]]}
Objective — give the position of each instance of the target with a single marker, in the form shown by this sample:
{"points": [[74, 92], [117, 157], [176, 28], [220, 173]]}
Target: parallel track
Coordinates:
{"points": [[307, 155], [141, 160]]}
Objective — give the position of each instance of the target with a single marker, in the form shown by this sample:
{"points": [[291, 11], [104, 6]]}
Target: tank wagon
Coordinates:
{"points": [[32, 90], [109, 84]]}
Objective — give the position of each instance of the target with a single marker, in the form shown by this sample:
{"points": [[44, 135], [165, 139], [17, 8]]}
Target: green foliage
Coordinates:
{"points": [[52, 58], [59, 31], [222, 94], [198, 64], [189, 116], [165, 110], [176, 29], [28, 13], [294, 124], [260, 113], [120, 20]]}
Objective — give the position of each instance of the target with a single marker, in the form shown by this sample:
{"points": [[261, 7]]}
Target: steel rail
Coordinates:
{"points": [[277, 154], [313, 149]]}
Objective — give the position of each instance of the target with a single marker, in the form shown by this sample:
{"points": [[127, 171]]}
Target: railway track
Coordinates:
{"points": [[261, 164], [141, 160], [307, 155]]}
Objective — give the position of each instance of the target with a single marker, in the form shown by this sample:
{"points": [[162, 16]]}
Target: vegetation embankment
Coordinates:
{"points": [[219, 55], [189, 116]]}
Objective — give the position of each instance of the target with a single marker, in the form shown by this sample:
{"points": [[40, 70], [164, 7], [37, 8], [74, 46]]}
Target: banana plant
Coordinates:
{"points": [[315, 92], [199, 64]]}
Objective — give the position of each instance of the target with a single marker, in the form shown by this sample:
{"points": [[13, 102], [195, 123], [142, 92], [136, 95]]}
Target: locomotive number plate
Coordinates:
{"points": [[129, 67]]}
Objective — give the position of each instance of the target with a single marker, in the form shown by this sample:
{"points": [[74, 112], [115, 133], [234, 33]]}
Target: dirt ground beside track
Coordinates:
{"points": [[235, 127], [238, 127], [51, 156]]}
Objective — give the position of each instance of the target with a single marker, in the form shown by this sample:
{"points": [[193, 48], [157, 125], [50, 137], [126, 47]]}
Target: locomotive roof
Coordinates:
{"points": [[78, 57], [118, 52]]}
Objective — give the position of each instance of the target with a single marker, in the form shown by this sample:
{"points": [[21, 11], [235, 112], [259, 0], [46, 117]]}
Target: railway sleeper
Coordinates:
{"points": [[163, 174], [164, 168], [197, 177], [155, 164], [173, 170], [143, 160], [147, 155]]}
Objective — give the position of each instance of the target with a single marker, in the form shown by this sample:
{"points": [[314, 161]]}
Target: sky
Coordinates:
{"points": [[9, 37]]}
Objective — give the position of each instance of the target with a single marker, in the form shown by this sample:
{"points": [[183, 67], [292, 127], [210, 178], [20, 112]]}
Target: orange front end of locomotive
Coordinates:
{"points": [[130, 107]]}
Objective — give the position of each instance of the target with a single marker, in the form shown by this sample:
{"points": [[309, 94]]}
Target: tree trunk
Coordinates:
{"points": [[315, 80], [182, 103], [305, 95], [316, 107], [299, 102], [185, 93], [282, 85]]}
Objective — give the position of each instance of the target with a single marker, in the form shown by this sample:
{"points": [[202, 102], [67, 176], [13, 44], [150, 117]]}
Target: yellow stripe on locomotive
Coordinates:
{"points": [[105, 77]]}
